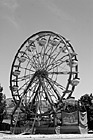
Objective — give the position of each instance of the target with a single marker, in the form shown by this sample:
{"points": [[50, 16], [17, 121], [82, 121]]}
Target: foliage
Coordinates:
{"points": [[86, 104], [2, 104]]}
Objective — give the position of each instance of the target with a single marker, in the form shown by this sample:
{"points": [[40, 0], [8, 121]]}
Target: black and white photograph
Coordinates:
{"points": [[46, 69]]}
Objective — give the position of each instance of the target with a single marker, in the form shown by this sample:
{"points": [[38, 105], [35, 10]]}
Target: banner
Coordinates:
{"points": [[70, 118], [83, 119]]}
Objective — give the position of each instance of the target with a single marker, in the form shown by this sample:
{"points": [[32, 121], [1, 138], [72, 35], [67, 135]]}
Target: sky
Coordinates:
{"points": [[73, 19]]}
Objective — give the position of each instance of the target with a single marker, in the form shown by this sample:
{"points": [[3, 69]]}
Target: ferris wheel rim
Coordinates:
{"points": [[23, 46]]}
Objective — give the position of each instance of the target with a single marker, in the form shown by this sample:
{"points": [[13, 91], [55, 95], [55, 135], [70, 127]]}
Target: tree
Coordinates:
{"points": [[87, 105], [2, 104]]}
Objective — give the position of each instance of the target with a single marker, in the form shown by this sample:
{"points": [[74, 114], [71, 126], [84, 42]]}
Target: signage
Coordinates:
{"points": [[70, 118]]}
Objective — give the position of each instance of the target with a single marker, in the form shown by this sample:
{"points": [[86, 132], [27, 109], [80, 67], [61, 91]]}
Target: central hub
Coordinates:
{"points": [[42, 73]]}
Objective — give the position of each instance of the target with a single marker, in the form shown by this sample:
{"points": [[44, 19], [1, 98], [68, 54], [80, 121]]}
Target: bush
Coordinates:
{"points": [[87, 105]]}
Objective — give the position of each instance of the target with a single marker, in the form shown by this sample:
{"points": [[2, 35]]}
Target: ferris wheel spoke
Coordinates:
{"points": [[23, 56], [33, 63], [55, 57], [51, 92], [53, 50], [36, 93], [54, 89], [23, 86], [57, 62], [29, 69], [59, 72], [29, 84], [53, 95], [48, 97], [44, 48], [57, 84], [53, 66], [37, 57], [34, 57], [51, 55], [19, 79], [50, 50], [33, 86], [31, 93], [32, 97]]}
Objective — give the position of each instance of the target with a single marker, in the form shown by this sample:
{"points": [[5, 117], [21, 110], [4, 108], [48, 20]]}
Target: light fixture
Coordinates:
{"points": [[73, 54], [30, 42], [54, 42], [28, 48], [75, 81], [15, 88], [42, 42], [16, 72], [64, 49], [22, 59], [73, 63]]}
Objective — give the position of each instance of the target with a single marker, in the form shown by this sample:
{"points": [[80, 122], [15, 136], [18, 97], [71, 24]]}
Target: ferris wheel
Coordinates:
{"points": [[44, 69]]}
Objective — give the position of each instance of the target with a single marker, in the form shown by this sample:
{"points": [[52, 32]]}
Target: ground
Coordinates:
{"points": [[6, 136]]}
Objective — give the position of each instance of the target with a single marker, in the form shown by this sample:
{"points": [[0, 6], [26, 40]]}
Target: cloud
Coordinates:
{"points": [[13, 21], [50, 5], [11, 4], [9, 11]]}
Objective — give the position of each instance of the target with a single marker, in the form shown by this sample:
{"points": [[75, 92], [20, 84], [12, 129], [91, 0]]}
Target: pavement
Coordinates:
{"points": [[44, 137], [7, 135]]}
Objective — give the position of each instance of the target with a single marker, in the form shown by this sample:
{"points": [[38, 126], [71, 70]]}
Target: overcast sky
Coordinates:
{"points": [[73, 19]]}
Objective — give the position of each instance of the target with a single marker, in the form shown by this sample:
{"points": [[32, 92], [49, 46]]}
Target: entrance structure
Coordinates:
{"points": [[44, 72]]}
